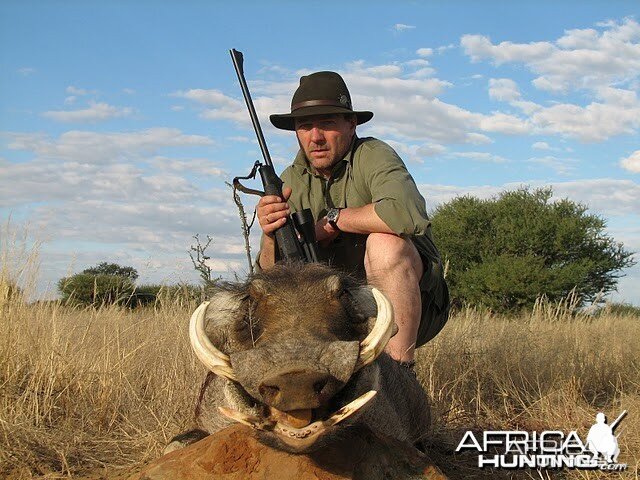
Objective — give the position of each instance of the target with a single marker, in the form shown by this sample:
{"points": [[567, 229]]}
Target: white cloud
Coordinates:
{"points": [[541, 146], [96, 112], [561, 166], [581, 58], [401, 27], [93, 147], [479, 47], [405, 99], [606, 196], [503, 89], [143, 214], [242, 139], [404, 107], [26, 71], [209, 97], [422, 73], [444, 48], [504, 123], [417, 62], [416, 153], [128, 91], [227, 266], [422, 119], [378, 71], [526, 106], [478, 139], [632, 162], [603, 196], [424, 52], [144, 206], [223, 107], [595, 122], [480, 156], [80, 92], [198, 166]]}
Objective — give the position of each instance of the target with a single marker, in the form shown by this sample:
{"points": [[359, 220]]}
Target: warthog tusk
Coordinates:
{"points": [[212, 358], [243, 418], [350, 408], [321, 425], [291, 432], [384, 328]]}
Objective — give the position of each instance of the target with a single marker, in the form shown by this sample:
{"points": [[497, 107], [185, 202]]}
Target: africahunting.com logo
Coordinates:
{"points": [[512, 449]]}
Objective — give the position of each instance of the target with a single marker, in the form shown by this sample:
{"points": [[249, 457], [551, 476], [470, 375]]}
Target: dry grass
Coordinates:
{"points": [[86, 389], [89, 388], [543, 371]]}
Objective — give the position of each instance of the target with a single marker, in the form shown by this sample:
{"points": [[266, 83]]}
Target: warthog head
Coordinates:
{"points": [[295, 344]]}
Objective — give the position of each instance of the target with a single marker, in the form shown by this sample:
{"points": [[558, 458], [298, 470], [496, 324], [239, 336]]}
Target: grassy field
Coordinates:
{"points": [[85, 391]]}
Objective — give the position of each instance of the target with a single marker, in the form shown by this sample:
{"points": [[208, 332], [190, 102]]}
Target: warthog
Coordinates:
{"points": [[298, 355]]}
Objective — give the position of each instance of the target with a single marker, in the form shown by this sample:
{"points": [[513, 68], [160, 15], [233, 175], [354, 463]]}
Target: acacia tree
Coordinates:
{"points": [[505, 252], [105, 268], [104, 284]]}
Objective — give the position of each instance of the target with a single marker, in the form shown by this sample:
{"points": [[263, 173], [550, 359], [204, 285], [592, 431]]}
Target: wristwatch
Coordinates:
{"points": [[332, 217]]}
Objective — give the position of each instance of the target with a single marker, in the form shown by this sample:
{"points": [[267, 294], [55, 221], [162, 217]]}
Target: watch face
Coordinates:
{"points": [[332, 214]]}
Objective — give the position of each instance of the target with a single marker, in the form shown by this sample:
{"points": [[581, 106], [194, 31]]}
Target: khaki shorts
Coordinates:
{"points": [[435, 301], [347, 254]]}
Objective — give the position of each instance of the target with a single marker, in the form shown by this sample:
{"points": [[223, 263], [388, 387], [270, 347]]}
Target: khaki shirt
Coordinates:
{"points": [[371, 172]]}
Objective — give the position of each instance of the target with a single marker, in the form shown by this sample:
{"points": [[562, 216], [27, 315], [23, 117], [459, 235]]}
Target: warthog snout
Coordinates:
{"points": [[296, 390]]}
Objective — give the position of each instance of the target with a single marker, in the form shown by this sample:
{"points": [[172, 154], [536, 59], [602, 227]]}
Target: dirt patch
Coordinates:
{"points": [[236, 453]]}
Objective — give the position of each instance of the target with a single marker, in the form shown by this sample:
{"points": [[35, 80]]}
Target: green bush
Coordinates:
{"points": [[153, 294], [96, 290], [105, 268], [505, 252], [620, 310]]}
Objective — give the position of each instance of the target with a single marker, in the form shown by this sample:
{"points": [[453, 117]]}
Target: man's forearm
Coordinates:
{"points": [[362, 220], [267, 257]]}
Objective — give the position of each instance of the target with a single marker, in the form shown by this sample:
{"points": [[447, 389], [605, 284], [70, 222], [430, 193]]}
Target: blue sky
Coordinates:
{"points": [[121, 121]]}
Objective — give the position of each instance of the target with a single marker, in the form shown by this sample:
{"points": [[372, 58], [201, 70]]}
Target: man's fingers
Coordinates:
{"points": [[268, 229], [271, 221], [275, 216], [272, 211], [269, 200], [274, 207]]}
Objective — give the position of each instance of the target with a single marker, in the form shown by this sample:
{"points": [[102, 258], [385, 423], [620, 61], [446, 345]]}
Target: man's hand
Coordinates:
{"points": [[272, 212], [325, 232]]}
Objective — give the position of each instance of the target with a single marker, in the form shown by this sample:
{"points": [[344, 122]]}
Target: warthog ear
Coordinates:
{"points": [[258, 288], [224, 309], [334, 285]]}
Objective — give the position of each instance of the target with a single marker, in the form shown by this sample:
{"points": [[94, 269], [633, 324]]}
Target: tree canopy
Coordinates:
{"points": [[104, 284], [105, 268], [505, 252]]}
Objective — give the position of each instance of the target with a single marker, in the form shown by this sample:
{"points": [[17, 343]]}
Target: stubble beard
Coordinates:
{"points": [[324, 165]]}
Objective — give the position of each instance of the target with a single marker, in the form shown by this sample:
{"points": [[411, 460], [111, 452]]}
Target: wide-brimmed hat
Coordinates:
{"points": [[320, 93]]}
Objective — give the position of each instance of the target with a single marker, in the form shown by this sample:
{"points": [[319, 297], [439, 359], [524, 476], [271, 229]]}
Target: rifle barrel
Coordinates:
{"points": [[617, 420], [238, 60]]}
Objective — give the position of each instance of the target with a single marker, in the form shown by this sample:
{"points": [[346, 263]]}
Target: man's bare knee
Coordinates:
{"points": [[387, 252]]}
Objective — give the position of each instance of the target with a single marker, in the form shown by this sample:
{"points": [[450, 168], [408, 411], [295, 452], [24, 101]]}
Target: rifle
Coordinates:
{"points": [[296, 239], [618, 420]]}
